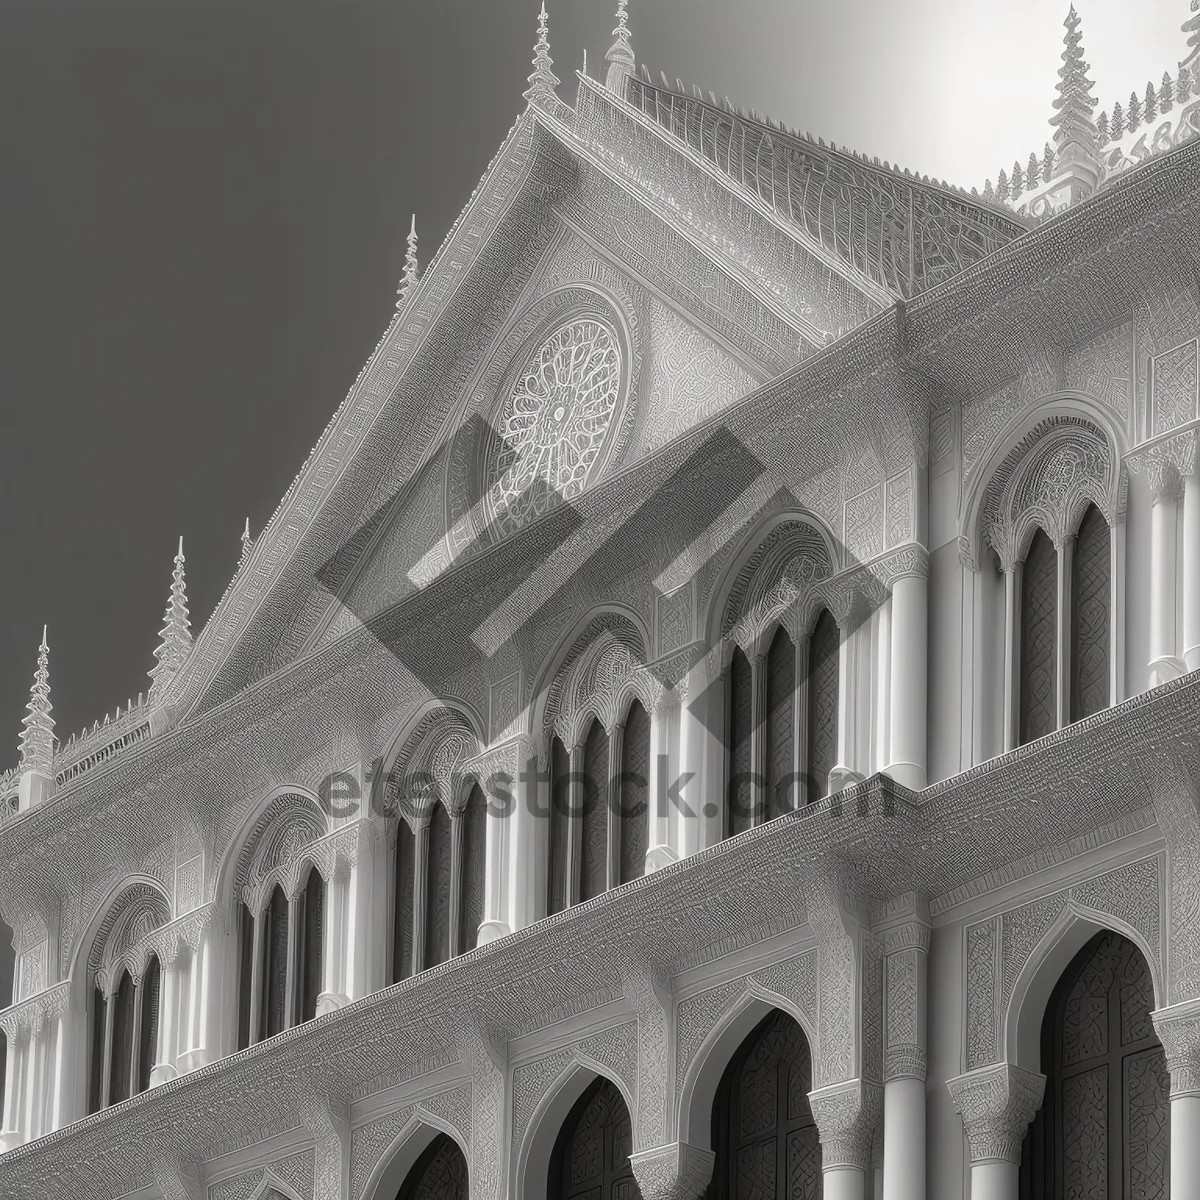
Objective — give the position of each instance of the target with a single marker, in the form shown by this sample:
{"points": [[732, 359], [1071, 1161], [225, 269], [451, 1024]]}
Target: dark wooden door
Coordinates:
{"points": [[591, 1156], [764, 1134], [1102, 1132]]}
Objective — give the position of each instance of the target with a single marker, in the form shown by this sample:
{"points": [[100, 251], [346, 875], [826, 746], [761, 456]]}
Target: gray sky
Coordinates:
{"points": [[203, 216]]}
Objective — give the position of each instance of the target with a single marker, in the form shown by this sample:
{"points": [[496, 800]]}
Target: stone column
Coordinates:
{"points": [[257, 967], [909, 675], [528, 843], [846, 1114], [1063, 617], [32, 1081], [60, 1069], [612, 795], [333, 969], [906, 950], [420, 890], [457, 864], [135, 1065], [1165, 487], [758, 738], [192, 1037], [109, 994], [364, 951], [997, 1103], [575, 802], [1191, 571], [291, 987], [10, 1134], [500, 819], [1178, 1028], [701, 757], [673, 1172], [168, 1001], [1012, 654]]}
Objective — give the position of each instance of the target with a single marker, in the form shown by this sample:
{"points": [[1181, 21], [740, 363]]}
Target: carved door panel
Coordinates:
{"points": [[439, 1174], [1102, 1133], [591, 1156], [766, 1140]]}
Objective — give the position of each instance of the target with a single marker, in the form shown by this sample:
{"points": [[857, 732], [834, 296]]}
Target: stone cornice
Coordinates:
{"points": [[32, 1013]]}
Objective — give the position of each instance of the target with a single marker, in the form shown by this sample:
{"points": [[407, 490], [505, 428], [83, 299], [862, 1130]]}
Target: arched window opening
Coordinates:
{"points": [[404, 878], [1102, 1130], [560, 818], [310, 931], [593, 841], [780, 726], [590, 1160], [766, 1141], [823, 701], [1091, 606], [474, 868], [148, 1033], [121, 1063], [245, 976], [439, 881], [275, 994], [740, 793], [99, 1027], [1039, 641], [634, 799], [439, 1174]]}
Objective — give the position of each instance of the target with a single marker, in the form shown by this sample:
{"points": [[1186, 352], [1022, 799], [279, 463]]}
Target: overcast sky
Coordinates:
{"points": [[202, 222]]}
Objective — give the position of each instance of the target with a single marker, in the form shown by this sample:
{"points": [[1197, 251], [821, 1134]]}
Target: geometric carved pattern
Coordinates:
{"points": [[591, 1156], [765, 1138], [1039, 604], [1102, 1130], [1089, 617], [1174, 387]]}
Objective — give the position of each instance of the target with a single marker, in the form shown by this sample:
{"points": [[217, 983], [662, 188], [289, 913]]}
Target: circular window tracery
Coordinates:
{"points": [[554, 423]]}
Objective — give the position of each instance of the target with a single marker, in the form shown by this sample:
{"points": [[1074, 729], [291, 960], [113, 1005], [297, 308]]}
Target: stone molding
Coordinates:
{"points": [[1178, 1028], [846, 1115], [996, 1103], [34, 1013], [676, 1171]]}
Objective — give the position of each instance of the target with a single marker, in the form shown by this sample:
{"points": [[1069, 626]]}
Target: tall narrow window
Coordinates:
{"points": [[560, 816], [780, 726], [148, 1034], [275, 975], [740, 793], [593, 841], [402, 928], [96, 1082], [121, 1063], [474, 868], [245, 976], [823, 702], [310, 961], [437, 893], [1039, 615], [1090, 617], [635, 794]]}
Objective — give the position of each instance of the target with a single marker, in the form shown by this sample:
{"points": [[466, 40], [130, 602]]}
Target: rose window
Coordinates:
{"points": [[553, 427]]}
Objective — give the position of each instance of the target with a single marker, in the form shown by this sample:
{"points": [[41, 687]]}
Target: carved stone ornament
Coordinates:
{"points": [[1165, 465], [1178, 1028], [36, 1012], [673, 1172], [846, 1114], [997, 1103]]}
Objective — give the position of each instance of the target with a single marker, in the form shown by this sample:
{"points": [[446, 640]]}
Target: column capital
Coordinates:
{"points": [[677, 1171], [846, 1115], [1178, 1028], [997, 1103]]}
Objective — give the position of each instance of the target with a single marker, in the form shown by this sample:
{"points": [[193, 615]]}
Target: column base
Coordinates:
{"points": [[658, 857], [328, 1002], [162, 1073], [191, 1060], [1163, 670], [1191, 658], [492, 931], [841, 778], [909, 775], [10, 1139]]}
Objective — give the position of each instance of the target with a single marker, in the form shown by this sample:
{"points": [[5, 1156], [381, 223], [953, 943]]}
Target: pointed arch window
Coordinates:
{"points": [[438, 887], [1039, 642], [560, 824], [275, 996], [823, 703], [633, 804], [474, 868], [310, 933], [404, 878], [1090, 617], [124, 1033], [780, 726], [148, 1032], [740, 789], [593, 841]]}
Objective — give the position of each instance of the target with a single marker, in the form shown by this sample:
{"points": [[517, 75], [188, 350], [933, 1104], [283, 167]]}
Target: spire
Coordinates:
{"points": [[1192, 28], [176, 633], [408, 281], [542, 81], [1076, 140], [620, 58], [247, 542], [37, 736]]}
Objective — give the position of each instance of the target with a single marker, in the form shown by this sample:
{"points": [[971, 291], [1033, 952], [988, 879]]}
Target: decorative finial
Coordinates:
{"points": [[408, 281], [542, 81], [37, 734], [246, 543], [1192, 28], [621, 62], [1076, 139], [175, 642]]}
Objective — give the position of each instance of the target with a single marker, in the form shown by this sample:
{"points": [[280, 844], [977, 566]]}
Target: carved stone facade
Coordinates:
{"points": [[703, 464]]}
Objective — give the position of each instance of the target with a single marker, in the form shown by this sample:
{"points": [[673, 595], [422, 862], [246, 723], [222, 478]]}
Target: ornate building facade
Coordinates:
{"points": [[714, 716]]}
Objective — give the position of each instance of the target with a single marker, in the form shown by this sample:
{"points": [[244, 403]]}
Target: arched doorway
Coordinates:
{"points": [[1102, 1130], [439, 1174], [590, 1160], [764, 1135]]}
